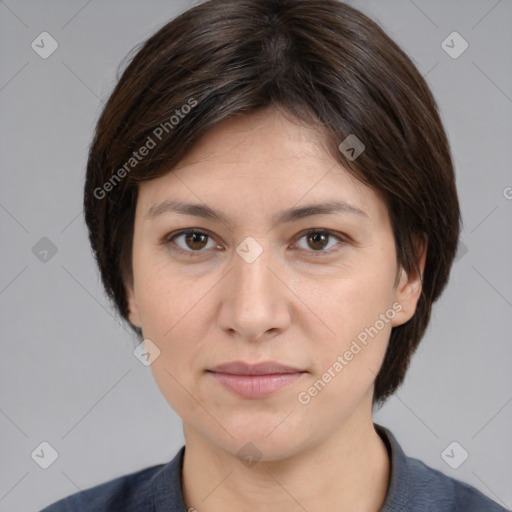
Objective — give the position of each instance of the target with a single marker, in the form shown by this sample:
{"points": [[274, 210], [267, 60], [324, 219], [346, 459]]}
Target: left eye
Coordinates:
{"points": [[317, 238], [196, 240]]}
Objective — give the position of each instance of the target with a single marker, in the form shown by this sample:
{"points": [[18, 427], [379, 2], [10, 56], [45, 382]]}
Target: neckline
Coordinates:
{"points": [[167, 485]]}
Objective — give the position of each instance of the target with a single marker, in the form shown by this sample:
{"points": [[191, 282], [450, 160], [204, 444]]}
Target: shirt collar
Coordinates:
{"points": [[397, 496]]}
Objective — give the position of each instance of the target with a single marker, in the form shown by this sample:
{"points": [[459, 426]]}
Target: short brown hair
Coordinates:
{"points": [[321, 61]]}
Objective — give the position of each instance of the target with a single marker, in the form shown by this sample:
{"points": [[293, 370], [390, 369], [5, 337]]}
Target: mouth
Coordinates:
{"points": [[255, 380]]}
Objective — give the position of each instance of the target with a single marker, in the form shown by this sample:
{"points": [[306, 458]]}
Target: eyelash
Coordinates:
{"points": [[169, 239]]}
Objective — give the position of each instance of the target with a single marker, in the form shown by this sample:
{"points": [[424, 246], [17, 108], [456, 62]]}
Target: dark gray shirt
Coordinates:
{"points": [[413, 487]]}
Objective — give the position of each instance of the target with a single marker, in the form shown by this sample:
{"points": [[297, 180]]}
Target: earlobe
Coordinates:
{"points": [[410, 285], [133, 310]]}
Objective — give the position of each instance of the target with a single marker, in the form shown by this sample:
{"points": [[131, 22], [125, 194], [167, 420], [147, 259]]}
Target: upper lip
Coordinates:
{"points": [[263, 368]]}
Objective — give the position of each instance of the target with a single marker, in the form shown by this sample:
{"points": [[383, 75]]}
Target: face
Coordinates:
{"points": [[316, 293]]}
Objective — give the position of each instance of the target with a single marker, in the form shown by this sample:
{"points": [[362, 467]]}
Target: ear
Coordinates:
{"points": [[408, 290], [133, 309]]}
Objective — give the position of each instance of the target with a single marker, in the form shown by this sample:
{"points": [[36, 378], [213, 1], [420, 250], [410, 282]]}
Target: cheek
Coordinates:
{"points": [[358, 311], [174, 320], [172, 310], [173, 323], [168, 296], [347, 362]]}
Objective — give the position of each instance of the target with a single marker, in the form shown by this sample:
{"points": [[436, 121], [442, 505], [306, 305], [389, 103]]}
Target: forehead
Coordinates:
{"points": [[262, 136], [260, 163]]}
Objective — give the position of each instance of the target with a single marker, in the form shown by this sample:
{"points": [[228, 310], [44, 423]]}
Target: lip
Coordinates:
{"points": [[263, 368], [255, 380]]}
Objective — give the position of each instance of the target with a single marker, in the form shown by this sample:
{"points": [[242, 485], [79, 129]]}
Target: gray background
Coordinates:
{"points": [[67, 369]]}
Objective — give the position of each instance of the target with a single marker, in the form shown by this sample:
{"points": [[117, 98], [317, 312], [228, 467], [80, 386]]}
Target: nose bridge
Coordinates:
{"points": [[251, 273], [254, 302]]}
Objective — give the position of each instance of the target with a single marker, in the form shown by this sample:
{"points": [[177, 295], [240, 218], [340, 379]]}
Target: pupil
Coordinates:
{"points": [[314, 237], [192, 239]]}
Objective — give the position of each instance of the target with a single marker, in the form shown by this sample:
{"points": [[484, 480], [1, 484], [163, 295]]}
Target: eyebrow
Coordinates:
{"points": [[284, 216]]}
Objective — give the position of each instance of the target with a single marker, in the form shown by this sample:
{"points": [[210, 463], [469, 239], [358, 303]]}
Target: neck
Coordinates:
{"points": [[348, 471]]}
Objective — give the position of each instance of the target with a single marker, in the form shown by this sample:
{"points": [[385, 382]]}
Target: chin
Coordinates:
{"points": [[268, 436]]}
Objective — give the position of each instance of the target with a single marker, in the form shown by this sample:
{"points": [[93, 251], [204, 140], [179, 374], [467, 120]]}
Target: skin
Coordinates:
{"points": [[292, 305]]}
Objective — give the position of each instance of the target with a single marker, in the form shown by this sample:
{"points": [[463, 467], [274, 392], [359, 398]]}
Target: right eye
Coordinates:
{"points": [[194, 241]]}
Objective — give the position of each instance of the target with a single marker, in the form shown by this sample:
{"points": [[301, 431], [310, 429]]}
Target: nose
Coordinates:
{"points": [[255, 301]]}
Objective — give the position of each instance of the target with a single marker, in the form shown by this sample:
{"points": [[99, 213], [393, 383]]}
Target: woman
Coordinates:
{"points": [[271, 201]]}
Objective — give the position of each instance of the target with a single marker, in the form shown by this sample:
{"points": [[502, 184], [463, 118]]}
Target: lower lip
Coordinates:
{"points": [[256, 386]]}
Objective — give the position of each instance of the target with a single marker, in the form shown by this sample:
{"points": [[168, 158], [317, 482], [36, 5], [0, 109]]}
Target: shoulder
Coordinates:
{"points": [[442, 492], [128, 493], [415, 486], [133, 492]]}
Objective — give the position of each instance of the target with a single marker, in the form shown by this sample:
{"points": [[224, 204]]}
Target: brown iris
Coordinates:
{"points": [[196, 238], [318, 238]]}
